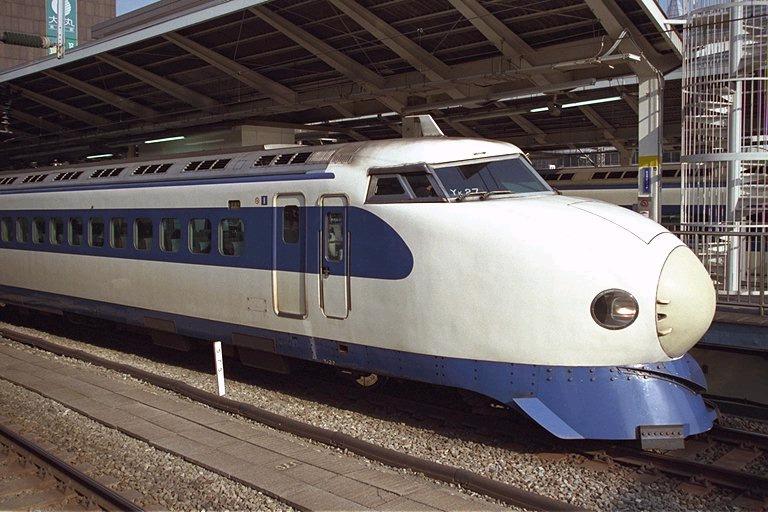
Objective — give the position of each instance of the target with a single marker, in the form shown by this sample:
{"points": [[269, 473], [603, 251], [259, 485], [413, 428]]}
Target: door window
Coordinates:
{"points": [[291, 224], [334, 233]]}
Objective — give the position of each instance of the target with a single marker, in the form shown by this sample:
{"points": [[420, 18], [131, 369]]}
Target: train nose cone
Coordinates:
{"points": [[685, 302]]}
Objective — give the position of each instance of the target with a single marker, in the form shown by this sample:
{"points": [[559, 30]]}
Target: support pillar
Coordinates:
{"points": [[735, 137], [650, 124]]}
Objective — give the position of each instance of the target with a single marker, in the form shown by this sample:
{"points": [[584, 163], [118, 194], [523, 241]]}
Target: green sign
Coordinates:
{"points": [[70, 21]]}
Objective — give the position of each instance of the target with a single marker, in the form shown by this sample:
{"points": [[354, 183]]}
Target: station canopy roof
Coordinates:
{"points": [[528, 72]]}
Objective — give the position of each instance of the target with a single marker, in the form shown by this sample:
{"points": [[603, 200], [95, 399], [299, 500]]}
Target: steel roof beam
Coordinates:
{"points": [[274, 90], [609, 131], [331, 56], [427, 64], [344, 111], [73, 112], [31, 120], [538, 134], [511, 46], [180, 92], [494, 30], [515, 48], [412, 53], [111, 98], [615, 22], [199, 14], [658, 19]]}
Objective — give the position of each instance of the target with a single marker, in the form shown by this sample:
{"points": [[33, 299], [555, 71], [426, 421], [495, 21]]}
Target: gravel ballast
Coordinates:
{"points": [[149, 477], [565, 478]]}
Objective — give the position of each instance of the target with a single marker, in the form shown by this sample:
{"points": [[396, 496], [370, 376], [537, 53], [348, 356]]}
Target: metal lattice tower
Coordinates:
{"points": [[725, 132]]}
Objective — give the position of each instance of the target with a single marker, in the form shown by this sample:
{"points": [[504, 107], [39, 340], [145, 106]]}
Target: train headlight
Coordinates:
{"points": [[614, 309]]}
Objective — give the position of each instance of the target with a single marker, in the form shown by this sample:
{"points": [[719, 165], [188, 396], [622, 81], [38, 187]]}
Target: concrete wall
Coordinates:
{"points": [[29, 16]]}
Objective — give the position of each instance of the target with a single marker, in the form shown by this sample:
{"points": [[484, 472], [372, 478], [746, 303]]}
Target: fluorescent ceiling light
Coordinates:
{"points": [[165, 139], [521, 96], [103, 155], [357, 118], [581, 103], [592, 102]]}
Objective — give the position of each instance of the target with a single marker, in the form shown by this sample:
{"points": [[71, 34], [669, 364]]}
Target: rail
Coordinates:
{"points": [[98, 496], [740, 255]]}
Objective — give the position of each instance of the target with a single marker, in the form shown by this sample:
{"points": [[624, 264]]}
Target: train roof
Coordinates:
{"points": [[257, 160]]}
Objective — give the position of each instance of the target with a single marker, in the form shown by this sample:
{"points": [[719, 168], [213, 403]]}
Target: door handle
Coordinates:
{"points": [[326, 272]]}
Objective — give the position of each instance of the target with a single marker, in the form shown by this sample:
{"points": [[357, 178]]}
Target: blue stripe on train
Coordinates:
{"points": [[377, 251], [571, 402]]}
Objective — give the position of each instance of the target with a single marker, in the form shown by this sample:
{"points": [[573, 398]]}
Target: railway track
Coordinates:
{"points": [[475, 482], [32, 478], [727, 470]]}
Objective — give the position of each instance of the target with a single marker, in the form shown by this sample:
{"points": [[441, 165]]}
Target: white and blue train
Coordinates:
{"points": [[442, 260]]}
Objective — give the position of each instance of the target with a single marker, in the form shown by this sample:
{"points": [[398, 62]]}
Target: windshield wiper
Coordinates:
{"points": [[461, 197], [498, 192], [483, 195]]}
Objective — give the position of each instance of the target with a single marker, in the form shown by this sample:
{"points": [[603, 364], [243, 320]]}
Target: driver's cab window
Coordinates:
{"points": [[403, 184]]}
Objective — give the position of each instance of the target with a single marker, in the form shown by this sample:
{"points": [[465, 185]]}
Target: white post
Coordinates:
{"points": [[218, 358], [60, 38]]}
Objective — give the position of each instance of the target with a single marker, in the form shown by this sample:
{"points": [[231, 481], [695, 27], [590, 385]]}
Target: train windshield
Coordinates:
{"points": [[511, 175]]}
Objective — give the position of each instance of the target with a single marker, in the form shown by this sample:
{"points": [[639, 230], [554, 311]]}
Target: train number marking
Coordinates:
{"points": [[456, 192]]}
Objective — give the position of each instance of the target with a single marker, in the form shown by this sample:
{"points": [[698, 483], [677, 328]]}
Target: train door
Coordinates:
{"points": [[334, 258], [289, 256]]}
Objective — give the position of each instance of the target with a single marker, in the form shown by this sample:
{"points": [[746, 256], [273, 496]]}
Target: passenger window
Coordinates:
{"points": [[75, 231], [232, 237], [142, 234], [388, 186], [38, 230], [56, 231], [118, 233], [96, 232], [291, 224], [421, 185], [334, 243], [22, 230], [170, 235], [6, 229], [200, 236]]}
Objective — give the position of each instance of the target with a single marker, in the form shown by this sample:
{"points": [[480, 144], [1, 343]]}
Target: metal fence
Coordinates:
{"points": [[725, 139], [716, 250]]}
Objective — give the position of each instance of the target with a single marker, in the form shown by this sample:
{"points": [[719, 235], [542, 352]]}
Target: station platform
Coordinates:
{"points": [[303, 475], [734, 357], [737, 330]]}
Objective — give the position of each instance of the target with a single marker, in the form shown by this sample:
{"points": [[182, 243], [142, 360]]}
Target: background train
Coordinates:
{"points": [[618, 186], [448, 261]]}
